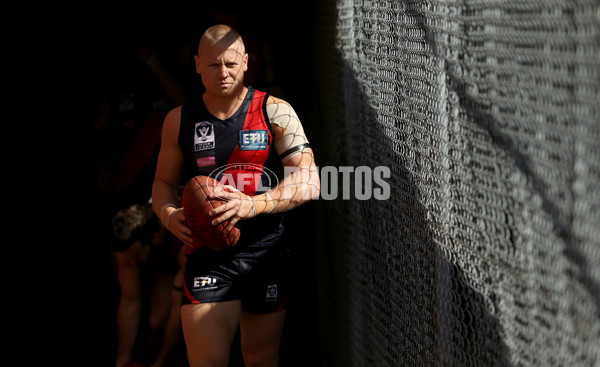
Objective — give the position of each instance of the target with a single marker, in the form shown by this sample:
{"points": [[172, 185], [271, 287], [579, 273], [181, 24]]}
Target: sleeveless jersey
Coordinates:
{"points": [[238, 151]]}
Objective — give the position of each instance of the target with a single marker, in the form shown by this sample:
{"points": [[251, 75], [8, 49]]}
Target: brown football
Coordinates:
{"points": [[196, 206]]}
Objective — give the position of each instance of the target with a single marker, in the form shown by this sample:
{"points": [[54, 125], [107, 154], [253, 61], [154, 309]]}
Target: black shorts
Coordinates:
{"points": [[256, 273]]}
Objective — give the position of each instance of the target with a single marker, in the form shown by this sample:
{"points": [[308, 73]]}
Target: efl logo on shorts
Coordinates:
{"points": [[272, 293], [201, 282]]}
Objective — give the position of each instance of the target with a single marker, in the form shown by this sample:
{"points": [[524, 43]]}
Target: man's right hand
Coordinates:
{"points": [[175, 223]]}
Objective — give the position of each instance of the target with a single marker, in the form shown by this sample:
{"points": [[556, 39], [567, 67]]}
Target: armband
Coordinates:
{"points": [[295, 149]]}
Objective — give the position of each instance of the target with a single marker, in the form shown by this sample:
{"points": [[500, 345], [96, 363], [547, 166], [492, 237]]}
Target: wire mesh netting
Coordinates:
{"points": [[487, 252]]}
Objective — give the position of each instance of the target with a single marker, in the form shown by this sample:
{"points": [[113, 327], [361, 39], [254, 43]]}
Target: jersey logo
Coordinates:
{"points": [[205, 136], [272, 293], [254, 140]]}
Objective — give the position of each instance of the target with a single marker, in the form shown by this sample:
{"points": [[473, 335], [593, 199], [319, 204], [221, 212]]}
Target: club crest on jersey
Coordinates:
{"points": [[272, 293], [253, 140], [204, 138]]}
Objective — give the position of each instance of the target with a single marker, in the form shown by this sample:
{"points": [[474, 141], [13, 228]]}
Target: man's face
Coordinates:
{"points": [[221, 66]]}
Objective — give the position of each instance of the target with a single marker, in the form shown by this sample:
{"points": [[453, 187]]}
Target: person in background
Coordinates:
{"points": [[139, 91], [143, 252]]}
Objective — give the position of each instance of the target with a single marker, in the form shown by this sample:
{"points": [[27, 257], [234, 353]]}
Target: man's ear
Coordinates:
{"points": [[197, 62], [245, 62]]}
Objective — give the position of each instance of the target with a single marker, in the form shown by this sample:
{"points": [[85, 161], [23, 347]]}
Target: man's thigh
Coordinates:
{"points": [[208, 329], [261, 336]]}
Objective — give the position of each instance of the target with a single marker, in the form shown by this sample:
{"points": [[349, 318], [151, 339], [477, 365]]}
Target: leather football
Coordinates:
{"points": [[196, 206]]}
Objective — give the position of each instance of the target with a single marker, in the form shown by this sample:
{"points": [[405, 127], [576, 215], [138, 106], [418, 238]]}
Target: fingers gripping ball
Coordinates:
{"points": [[196, 206]]}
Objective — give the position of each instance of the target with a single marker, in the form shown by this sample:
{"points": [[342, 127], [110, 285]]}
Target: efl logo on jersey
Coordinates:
{"points": [[254, 140], [205, 136]]}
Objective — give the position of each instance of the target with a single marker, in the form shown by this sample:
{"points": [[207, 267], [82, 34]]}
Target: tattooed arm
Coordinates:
{"points": [[301, 180]]}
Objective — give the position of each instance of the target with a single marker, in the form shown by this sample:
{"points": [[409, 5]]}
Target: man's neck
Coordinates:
{"points": [[223, 107]]}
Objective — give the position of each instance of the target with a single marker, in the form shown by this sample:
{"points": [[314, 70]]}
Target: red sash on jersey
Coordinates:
{"points": [[246, 163]]}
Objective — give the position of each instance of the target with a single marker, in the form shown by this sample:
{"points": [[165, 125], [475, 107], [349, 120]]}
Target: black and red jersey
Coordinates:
{"points": [[237, 151]]}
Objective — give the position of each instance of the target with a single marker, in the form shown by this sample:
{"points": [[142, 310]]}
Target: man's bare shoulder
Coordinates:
{"points": [[173, 116], [170, 128], [175, 112]]}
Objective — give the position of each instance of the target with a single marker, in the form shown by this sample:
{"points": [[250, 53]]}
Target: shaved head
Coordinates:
{"points": [[223, 36]]}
